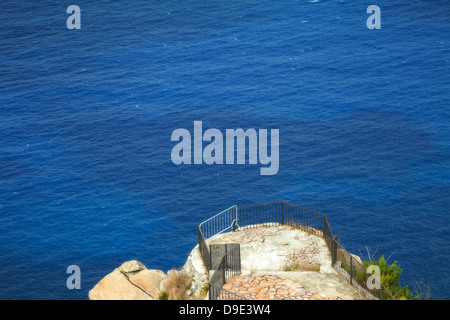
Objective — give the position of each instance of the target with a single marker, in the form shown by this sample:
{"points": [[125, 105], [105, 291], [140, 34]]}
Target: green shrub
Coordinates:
{"points": [[163, 295], [203, 293]]}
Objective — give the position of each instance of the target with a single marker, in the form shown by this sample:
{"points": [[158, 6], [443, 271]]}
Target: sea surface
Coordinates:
{"points": [[86, 117]]}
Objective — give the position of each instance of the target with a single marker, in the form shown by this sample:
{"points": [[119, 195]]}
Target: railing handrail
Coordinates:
{"points": [[224, 220], [215, 216], [279, 202]]}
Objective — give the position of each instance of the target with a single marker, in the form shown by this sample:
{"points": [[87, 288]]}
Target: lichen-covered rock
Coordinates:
{"points": [[115, 286]]}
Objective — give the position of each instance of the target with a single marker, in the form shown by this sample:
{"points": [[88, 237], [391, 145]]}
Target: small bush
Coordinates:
{"points": [[298, 266], [178, 283], [422, 290], [203, 293], [163, 295]]}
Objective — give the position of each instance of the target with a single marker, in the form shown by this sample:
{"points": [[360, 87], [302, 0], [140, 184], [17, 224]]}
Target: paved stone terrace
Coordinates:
{"points": [[272, 287]]}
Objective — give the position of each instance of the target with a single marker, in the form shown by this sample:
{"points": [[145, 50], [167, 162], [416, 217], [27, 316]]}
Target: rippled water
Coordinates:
{"points": [[86, 176]]}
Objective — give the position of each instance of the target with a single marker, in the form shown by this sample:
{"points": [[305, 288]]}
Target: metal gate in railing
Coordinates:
{"points": [[226, 267]]}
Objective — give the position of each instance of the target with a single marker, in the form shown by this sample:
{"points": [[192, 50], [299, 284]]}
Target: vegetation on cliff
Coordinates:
{"points": [[390, 278]]}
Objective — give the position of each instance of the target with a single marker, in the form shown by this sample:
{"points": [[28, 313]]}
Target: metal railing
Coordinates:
{"points": [[229, 266], [220, 223], [281, 213], [276, 213]]}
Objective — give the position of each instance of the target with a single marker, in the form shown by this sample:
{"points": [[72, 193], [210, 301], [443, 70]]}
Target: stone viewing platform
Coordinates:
{"points": [[284, 263]]}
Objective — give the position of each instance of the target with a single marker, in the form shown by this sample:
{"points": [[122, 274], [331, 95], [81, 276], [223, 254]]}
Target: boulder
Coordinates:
{"points": [[132, 266], [131, 281]]}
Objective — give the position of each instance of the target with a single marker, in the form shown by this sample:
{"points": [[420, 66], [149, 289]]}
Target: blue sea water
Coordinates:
{"points": [[86, 117]]}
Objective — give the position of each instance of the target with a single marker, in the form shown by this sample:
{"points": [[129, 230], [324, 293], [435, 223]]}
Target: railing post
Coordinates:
{"points": [[334, 253], [282, 212], [351, 270], [224, 268], [210, 258], [224, 261], [239, 257], [323, 225], [234, 219]]}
